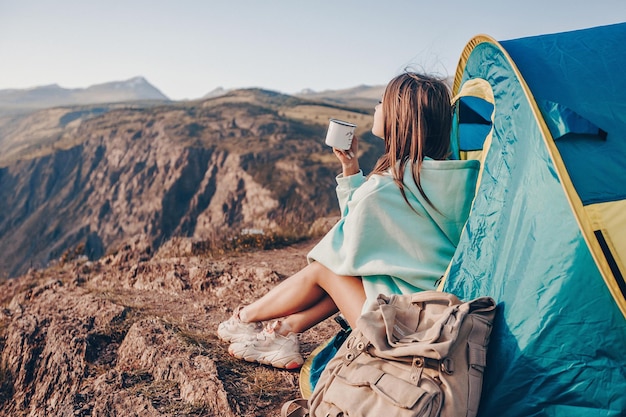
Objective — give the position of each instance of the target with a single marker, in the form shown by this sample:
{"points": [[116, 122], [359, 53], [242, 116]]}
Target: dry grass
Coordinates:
{"points": [[232, 242], [260, 389], [159, 393]]}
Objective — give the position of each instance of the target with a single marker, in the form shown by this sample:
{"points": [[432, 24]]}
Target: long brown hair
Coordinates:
{"points": [[417, 121]]}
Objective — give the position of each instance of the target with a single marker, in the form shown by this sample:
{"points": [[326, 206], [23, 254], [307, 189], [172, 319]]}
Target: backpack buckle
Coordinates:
{"points": [[446, 365]]}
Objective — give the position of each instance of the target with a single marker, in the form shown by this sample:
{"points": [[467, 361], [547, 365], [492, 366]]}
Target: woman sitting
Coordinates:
{"points": [[398, 231]]}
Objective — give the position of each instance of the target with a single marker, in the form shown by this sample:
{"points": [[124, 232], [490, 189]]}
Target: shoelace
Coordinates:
{"points": [[271, 327]]}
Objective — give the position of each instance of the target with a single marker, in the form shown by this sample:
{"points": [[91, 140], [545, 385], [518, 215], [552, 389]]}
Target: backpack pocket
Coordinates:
{"points": [[368, 389]]}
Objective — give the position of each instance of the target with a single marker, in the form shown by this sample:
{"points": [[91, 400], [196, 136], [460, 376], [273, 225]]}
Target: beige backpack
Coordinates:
{"points": [[420, 354]]}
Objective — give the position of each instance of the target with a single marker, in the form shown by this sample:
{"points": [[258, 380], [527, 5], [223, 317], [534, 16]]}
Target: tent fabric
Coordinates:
{"points": [[531, 241], [582, 72]]}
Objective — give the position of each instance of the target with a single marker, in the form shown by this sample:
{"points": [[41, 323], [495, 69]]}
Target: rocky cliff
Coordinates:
{"points": [[92, 179], [109, 217], [133, 334]]}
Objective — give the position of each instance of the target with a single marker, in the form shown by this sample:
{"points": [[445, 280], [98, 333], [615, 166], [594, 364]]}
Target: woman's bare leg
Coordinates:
{"points": [[309, 287], [304, 320]]}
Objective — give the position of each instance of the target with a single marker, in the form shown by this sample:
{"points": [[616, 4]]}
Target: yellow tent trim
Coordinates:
{"points": [[479, 88], [609, 219]]}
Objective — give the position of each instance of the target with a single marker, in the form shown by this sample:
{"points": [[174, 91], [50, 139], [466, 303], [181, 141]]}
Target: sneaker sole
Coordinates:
{"points": [[294, 363]]}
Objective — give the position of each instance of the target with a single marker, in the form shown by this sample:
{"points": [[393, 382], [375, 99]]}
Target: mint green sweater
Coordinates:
{"points": [[380, 238]]}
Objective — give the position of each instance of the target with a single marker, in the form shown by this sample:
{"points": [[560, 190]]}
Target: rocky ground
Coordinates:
{"points": [[133, 334]]}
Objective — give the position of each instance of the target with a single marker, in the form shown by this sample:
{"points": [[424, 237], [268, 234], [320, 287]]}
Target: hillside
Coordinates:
{"points": [[94, 176], [123, 229], [133, 335]]}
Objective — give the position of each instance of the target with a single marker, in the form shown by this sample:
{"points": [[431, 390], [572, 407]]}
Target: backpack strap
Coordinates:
{"points": [[301, 408], [477, 343]]}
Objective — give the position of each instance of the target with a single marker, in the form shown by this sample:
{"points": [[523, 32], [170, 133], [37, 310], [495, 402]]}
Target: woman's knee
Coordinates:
{"points": [[346, 291], [316, 272]]}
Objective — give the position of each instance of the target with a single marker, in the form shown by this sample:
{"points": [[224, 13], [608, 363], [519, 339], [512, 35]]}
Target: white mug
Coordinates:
{"points": [[340, 134]]}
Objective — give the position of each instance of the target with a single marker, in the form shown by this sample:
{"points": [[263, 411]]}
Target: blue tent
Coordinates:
{"points": [[546, 236]]}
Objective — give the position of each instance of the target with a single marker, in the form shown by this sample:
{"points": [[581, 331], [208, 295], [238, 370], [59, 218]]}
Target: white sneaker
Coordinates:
{"points": [[270, 348], [235, 330]]}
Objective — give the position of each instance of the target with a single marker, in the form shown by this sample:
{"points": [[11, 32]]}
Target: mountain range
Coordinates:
{"points": [[15, 101], [94, 175], [22, 100]]}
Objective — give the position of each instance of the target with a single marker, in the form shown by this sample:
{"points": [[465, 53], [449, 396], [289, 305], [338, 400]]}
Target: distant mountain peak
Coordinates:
{"points": [[216, 92], [54, 86], [137, 80], [134, 83]]}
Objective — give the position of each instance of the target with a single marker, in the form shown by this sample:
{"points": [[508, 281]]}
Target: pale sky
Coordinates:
{"points": [[187, 48]]}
